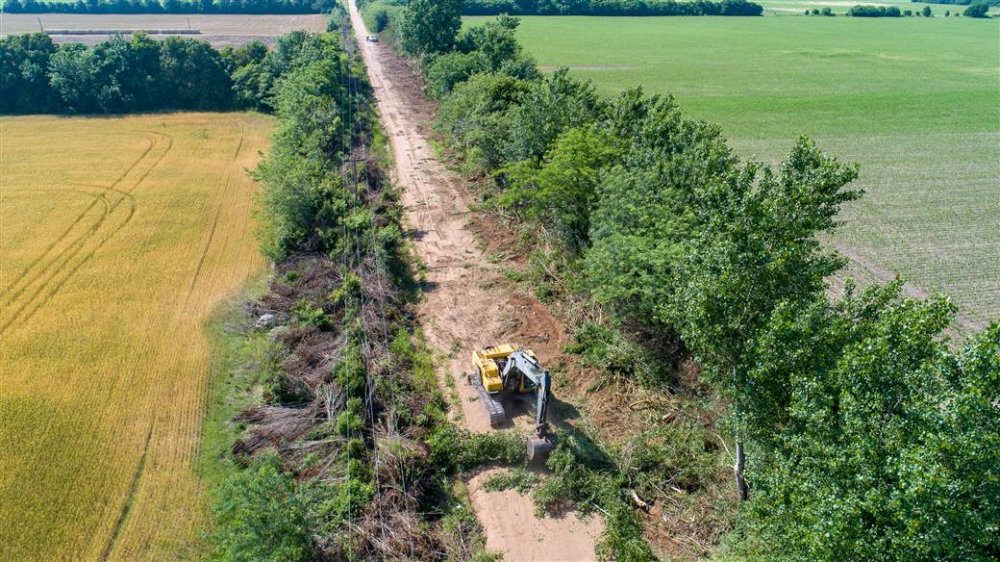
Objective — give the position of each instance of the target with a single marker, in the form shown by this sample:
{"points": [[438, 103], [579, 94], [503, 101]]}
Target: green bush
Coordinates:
{"points": [[584, 478], [606, 348], [446, 71], [456, 449], [349, 372], [521, 480], [977, 10], [260, 515]]}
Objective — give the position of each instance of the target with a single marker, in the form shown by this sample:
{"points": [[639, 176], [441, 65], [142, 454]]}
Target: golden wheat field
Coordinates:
{"points": [[118, 237]]}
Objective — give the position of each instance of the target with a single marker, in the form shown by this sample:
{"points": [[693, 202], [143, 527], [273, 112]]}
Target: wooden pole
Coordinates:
{"points": [[741, 483]]}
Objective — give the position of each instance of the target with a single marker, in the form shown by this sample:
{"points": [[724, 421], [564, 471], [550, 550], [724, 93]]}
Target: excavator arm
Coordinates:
{"points": [[540, 379], [505, 371], [521, 361]]}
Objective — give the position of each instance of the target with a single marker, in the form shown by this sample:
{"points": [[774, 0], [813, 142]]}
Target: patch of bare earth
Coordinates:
{"points": [[465, 304], [218, 29]]}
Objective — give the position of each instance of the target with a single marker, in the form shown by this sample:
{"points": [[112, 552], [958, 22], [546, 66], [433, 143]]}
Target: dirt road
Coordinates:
{"points": [[463, 307]]}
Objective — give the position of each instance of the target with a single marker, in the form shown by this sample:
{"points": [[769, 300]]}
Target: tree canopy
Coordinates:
{"points": [[865, 436], [430, 26], [130, 74]]}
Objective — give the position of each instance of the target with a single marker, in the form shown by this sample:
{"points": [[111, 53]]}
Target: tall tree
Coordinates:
{"points": [[73, 75], [757, 247], [430, 26], [884, 440], [561, 191], [685, 238], [24, 81], [195, 75]]}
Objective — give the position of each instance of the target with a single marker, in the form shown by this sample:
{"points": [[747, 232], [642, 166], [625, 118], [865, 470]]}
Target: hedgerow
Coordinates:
{"points": [[139, 74], [673, 235]]}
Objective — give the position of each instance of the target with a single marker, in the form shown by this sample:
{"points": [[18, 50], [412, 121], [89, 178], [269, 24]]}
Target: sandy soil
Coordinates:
{"points": [[464, 306], [219, 30]]}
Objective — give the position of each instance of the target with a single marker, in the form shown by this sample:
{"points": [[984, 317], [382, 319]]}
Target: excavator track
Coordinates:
{"points": [[494, 409]]}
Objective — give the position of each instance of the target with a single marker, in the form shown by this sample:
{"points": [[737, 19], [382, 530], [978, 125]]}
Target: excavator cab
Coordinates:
{"points": [[508, 371]]}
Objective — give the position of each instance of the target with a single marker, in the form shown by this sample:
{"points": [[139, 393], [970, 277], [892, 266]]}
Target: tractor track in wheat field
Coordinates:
{"points": [[53, 274]]}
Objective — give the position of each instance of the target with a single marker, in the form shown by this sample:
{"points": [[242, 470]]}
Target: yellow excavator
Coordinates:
{"points": [[508, 372]]}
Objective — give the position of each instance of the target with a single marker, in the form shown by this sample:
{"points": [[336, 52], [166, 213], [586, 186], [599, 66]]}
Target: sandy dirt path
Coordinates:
{"points": [[464, 307]]}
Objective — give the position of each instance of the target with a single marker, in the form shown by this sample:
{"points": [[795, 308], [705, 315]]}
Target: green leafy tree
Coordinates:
{"points": [[195, 75], [757, 247], [560, 192], [686, 239], [303, 199], [551, 106], [24, 80], [450, 69], [73, 76], [643, 214], [126, 74], [883, 447], [977, 10], [260, 515], [430, 26], [927, 12], [494, 39], [473, 118]]}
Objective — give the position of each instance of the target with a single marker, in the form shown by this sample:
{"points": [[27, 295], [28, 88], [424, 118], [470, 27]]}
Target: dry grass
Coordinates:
{"points": [[118, 237], [217, 29]]}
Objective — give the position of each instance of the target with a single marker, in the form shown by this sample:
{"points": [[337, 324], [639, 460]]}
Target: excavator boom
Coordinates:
{"points": [[541, 380], [506, 371]]}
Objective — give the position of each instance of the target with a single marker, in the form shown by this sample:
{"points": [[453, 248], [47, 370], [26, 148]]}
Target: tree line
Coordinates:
{"points": [[867, 11], [133, 74], [169, 7], [977, 9], [379, 12], [610, 8], [965, 2], [860, 433]]}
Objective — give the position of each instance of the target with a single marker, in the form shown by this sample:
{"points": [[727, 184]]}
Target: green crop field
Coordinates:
{"points": [[914, 101], [784, 7]]}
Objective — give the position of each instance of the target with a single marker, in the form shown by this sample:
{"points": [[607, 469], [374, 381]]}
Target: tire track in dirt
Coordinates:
{"points": [[16, 288], [463, 305], [32, 305], [104, 212], [179, 428]]}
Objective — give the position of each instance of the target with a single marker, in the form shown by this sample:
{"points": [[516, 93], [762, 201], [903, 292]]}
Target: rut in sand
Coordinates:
{"points": [[464, 306]]}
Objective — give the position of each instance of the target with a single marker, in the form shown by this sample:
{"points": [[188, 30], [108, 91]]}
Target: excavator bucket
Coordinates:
{"points": [[539, 449]]}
